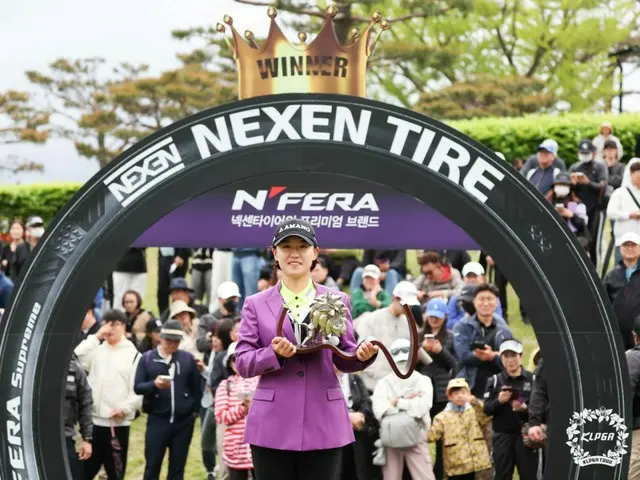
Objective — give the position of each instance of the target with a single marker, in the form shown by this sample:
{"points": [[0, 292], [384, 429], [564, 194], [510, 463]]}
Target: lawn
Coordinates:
{"points": [[195, 469]]}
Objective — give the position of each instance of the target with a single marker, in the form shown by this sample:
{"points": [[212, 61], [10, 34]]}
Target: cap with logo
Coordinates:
{"points": [[632, 237], [549, 145], [436, 307], [228, 290], [467, 292], [457, 383], [35, 221], [172, 330], [586, 146], [511, 346], [295, 227], [472, 268], [407, 292], [371, 271]]}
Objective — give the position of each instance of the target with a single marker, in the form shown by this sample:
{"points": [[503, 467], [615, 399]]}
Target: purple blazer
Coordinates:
{"points": [[298, 404]]}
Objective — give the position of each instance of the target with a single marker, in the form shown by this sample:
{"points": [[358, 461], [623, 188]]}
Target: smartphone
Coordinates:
{"points": [[429, 336], [559, 205], [580, 174], [166, 378], [478, 345]]}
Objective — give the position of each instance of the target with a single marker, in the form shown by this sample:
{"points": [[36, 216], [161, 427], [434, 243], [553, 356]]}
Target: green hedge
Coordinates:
{"points": [[514, 137], [520, 136], [45, 200]]}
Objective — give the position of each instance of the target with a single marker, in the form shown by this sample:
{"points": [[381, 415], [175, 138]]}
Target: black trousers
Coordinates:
{"points": [[438, 465], [103, 455], [357, 459], [74, 461], [271, 464], [508, 452], [162, 434], [466, 476], [240, 474]]}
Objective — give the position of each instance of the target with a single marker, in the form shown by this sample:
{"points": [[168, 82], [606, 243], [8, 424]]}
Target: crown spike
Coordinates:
{"points": [[272, 12], [248, 34], [228, 20], [302, 37], [220, 28], [384, 25], [377, 16], [331, 11]]}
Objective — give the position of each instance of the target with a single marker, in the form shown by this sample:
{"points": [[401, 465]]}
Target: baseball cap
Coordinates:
{"points": [[472, 267], [294, 227], [457, 383], [230, 352], [371, 271], [466, 294], [172, 330], [586, 146], [549, 145], [179, 283], [407, 292], [436, 307], [400, 350], [35, 221], [629, 237], [511, 346], [228, 290]]}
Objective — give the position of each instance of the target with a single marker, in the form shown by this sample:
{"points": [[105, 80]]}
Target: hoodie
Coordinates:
{"points": [[622, 203], [111, 370]]}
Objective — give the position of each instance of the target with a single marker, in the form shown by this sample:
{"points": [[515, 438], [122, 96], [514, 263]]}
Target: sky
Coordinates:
{"points": [[34, 33]]}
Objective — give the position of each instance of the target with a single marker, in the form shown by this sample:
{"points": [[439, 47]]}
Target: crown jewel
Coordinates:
{"points": [[321, 66]]}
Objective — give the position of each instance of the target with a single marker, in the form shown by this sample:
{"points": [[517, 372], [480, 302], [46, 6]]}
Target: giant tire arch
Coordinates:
{"points": [[573, 320]]}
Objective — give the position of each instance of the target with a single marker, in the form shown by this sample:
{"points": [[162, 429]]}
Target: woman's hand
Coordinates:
{"points": [[283, 347], [366, 350]]}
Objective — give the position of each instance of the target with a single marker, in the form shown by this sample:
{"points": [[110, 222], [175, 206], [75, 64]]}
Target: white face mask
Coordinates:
{"points": [[562, 191], [585, 157], [37, 232]]}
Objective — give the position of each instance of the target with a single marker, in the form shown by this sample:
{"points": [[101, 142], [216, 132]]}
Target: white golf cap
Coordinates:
{"points": [[472, 267], [407, 292], [228, 290], [371, 271], [511, 346], [628, 237]]}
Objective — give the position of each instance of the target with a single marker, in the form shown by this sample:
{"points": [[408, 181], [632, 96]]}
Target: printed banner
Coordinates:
{"points": [[347, 213]]}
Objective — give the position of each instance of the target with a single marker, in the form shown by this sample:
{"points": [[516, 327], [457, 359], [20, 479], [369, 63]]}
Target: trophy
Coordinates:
{"points": [[326, 323]]}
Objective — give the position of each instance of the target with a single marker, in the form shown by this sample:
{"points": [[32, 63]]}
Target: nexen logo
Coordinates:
{"points": [[310, 202], [144, 171]]}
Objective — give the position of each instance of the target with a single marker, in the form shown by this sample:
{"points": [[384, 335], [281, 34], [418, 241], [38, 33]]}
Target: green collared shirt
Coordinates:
{"points": [[298, 303]]}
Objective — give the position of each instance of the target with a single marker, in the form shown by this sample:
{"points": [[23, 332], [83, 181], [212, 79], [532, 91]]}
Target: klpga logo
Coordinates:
{"points": [[309, 202], [144, 171]]}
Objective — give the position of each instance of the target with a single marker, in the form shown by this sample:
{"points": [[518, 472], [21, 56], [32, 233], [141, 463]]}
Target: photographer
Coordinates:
{"points": [[507, 401]]}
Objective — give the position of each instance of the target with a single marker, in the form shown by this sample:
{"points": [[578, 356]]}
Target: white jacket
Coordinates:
{"points": [[621, 204], [111, 373], [391, 387]]}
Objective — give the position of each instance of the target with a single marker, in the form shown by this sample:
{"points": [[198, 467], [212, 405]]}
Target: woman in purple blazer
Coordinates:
{"points": [[298, 420]]}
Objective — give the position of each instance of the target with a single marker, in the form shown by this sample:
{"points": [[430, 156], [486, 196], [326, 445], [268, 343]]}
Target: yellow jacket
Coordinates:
{"points": [[465, 449]]}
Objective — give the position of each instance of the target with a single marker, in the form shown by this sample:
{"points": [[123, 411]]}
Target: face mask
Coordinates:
{"points": [[37, 232], [585, 157], [230, 306], [562, 191]]}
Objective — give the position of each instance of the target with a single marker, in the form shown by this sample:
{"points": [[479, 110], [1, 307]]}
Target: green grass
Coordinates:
{"points": [[194, 469]]}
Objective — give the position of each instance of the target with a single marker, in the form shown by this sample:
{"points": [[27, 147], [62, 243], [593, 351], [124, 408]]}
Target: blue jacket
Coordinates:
{"points": [[455, 312], [183, 398], [465, 333], [6, 287]]}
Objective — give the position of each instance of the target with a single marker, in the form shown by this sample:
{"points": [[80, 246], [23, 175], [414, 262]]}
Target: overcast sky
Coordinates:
{"points": [[35, 32]]}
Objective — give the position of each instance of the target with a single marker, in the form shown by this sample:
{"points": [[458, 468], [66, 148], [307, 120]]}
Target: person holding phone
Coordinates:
{"points": [[507, 400], [570, 207], [169, 379], [298, 420], [590, 179]]}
